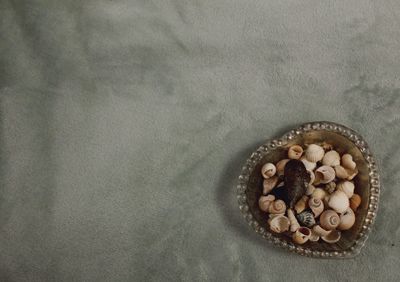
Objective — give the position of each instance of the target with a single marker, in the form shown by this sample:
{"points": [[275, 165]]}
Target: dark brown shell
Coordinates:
{"points": [[296, 181]]}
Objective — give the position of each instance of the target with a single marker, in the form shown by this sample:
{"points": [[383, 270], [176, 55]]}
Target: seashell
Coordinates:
{"points": [[341, 172], [269, 184], [355, 202], [309, 165], [347, 187], [325, 174], [280, 166], [331, 158], [310, 189], [277, 206], [279, 224], [296, 181], [314, 236], [330, 187], [272, 215], [332, 237], [306, 218], [316, 205], [347, 219], [301, 235], [352, 173], [347, 162], [312, 176], [295, 152], [294, 224], [265, 201], [329, 220], [319, 193], [338, 201], [314, 153], [301, 204], [327, 146], [268, 170], [317, 229]]}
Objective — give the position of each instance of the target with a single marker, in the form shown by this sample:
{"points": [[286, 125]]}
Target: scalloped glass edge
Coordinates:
{"points": [[256, 156]]}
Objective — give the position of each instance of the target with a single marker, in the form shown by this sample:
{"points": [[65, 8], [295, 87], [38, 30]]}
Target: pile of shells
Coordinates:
{"points": [[310, 195]]}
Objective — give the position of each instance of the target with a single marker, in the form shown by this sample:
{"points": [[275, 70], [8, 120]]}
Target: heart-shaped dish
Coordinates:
{"points": [[344, 140]]}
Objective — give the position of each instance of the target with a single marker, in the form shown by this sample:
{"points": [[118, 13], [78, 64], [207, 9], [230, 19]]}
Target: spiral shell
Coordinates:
{"points": [[347, 219], [309, 165], [277, 206], [306, 218], [295, 152], [332, 237], [294, 224], [316, 205], [325, 174], [329, 220], [265, 201], [331, 158], [269, 184], [341, 172], [355, 202], [319, 193], [301, 235], [347, 162], [314, 153], [279, 223], [339, 201], [347, 187], [280, 166], [268, 170], [310, 189], [317, 229], [301, 204]]}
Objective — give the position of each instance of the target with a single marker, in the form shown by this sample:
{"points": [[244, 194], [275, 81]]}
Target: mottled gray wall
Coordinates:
{"points": [[123, 125]]}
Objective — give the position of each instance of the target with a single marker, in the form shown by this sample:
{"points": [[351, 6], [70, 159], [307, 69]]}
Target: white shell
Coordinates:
{"points": [[347, 219], [309, 165], [280, 166], [301, 235], [341, 172], [325, 174], [269, 184], [347, 187], [310, 189], [332, 237], [316, 205], [301, 204], [317, 229], [319, 193], [277, 206], [347, 162], [279, 224], [314, 153], [339, 201], [265, 201], [295, 152], [294, 224], [268, 170], [331, 158]]}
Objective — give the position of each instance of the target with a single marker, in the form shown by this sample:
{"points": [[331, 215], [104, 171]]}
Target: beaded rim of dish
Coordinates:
{"points": [[271, 145]]}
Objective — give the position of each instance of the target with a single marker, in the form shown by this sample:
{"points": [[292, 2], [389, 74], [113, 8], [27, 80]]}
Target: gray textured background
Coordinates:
{"points": [[124, 124]]}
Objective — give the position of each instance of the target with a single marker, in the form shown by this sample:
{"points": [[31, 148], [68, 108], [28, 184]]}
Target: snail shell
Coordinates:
{"points": [[310, 189], [280, 166], [317, 229], [294, 224], [325, 174], [319, 193], [301, 204], [347, 162], [330, 187], [329, 220], [265, 201], [339, 201], [269, 184], [268, 170], [306, 218], [341, 172], [355, 202], [314, 153], [279, 224], [301, 235], [347, 219], [295, 152], [332, 237], [316, 205], [347, 187], [277, 206], [331, 158], [314, 236], [309, 165]]}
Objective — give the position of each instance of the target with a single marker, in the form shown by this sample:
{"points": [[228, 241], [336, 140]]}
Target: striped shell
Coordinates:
{"points": [[306, 218], [314, 153]]}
